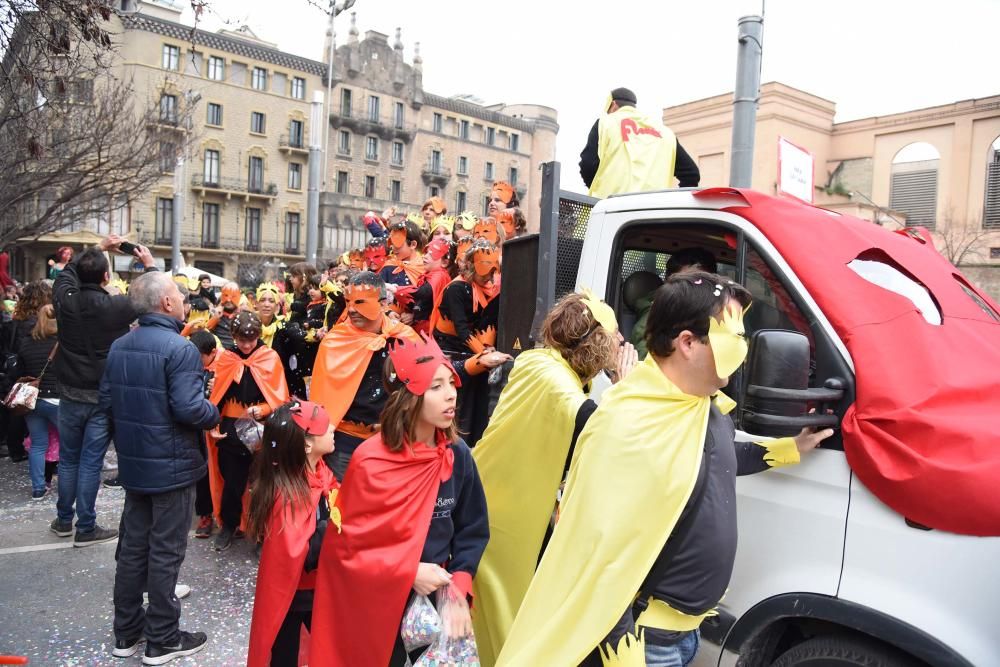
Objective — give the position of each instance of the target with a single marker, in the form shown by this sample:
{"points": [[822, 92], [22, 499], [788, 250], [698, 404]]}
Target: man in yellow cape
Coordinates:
{"points": [[636, 466], [523, 455]]}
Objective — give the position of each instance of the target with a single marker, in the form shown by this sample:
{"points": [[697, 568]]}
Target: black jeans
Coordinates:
{"points": [[234, 464], [285, 650], [152, 540], [203, 490]]}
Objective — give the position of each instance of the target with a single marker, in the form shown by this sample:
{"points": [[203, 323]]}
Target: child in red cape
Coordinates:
{"points": [[293, 491], [413, 519]]}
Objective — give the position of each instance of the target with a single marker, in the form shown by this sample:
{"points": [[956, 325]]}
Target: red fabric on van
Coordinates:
{"points": [[922, 434]]}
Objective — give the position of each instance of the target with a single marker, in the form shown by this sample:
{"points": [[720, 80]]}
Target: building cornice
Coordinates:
{"points": [[225, 43], [467, 109], [929, 115]]}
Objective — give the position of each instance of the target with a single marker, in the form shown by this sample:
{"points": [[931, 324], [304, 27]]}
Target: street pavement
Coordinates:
{"points": [[55, 600]]}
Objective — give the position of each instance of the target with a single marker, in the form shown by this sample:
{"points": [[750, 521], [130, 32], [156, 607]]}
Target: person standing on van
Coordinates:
{"points": [[667, 415], [628, 151]]}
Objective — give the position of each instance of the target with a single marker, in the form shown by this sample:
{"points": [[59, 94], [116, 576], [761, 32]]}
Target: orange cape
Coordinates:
{"points": [[343, 358], [413, 271], [267, 371]]}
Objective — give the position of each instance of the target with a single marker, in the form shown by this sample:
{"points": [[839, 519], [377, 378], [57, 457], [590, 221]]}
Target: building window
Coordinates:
{"points": [[460, 201], [294, 176], [341, 182], [255, 175], [253, 230], [489, 171], [512, 176], [397, 153], [344, 144], [373, 108], [515, 142], [913, 184], [214, 114], [369, 187], [371, 148], [396, 192], [258, 79], [171, 57], [292, 233], [436, 162], [164, 220], [295, 133], [168, 156], [258, 122], [463, 166], [435, 191], [299, 88], [210, 225], [397, 118], [212, 161], [438, 122], [491, 136], [486, 205], [463, 129], [345, 103], [216, 68], [168, 109], [991, 209]]}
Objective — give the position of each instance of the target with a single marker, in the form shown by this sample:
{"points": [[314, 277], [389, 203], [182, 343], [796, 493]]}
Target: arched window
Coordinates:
{"points": [[914, 183], [991, 208]]}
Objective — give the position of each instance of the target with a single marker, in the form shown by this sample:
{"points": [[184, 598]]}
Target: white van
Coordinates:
{"points": [[826, 573]]}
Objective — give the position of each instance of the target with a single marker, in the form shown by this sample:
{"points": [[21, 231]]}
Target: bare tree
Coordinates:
{"points": [[961, 240], [76, 143]]}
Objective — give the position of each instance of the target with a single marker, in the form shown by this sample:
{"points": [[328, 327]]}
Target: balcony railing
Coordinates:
{"points": [[223, 243], [365, 125], [292, 143], [231, 186], [434, 173]]}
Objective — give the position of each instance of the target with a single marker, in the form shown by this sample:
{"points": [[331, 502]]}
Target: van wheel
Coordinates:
{"points": [[842, 652]]}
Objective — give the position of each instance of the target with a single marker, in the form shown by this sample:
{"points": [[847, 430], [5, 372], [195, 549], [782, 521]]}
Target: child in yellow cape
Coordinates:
{"points": [[657, 442], [541, 411]]}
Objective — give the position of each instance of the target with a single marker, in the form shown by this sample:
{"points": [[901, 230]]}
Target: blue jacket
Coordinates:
{"points": [[153, 384]]}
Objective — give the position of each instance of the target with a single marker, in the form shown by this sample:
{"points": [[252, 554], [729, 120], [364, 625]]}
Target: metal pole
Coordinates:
{"points": [[316, 158], [329, 94], [745, 98], [178, 216]]}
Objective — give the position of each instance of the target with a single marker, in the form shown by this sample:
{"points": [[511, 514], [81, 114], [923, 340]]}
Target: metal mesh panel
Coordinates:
{"points": [[574, 215], [915, 194], [991, 213]]}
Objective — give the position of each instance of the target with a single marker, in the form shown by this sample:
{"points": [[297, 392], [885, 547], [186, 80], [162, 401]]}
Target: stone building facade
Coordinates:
{"points": [[938, 167], [394, 144], [245, 168]]}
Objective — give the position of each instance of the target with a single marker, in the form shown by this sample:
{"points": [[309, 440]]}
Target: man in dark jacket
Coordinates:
{"points": [[89, 320], [154, 389]]}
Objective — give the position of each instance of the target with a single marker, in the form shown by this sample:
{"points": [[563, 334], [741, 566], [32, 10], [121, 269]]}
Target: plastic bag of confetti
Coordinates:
{"points": [[451, 650], [421, 624], [249, 432]]}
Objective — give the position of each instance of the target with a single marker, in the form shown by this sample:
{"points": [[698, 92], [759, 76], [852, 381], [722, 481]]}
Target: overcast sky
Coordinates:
{"points": [[870, 57]]}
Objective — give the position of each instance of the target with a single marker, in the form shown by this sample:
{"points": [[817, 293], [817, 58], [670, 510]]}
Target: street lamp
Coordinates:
{"points": [[192, 98], [336, 8]]}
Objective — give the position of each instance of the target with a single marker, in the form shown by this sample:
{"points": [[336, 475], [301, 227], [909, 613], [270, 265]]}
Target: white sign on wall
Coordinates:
{"points": [[795, 171]]}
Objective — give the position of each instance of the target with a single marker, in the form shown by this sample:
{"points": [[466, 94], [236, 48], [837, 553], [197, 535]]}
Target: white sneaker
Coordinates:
{"points": [[181, 591]]}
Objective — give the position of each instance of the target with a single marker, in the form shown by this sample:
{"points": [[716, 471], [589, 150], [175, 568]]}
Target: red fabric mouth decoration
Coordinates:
{"points": [[416, 363]]}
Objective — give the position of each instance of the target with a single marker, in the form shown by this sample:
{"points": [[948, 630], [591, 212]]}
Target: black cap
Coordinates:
{"points": [[204, 276], [623, 95]]}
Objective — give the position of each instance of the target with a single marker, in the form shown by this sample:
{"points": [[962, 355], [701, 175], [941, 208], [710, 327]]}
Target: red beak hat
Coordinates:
{"points": [[416, 363]]}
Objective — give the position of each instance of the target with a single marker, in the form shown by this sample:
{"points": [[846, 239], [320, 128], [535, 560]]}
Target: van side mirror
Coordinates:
{"points": [[777, 394]]}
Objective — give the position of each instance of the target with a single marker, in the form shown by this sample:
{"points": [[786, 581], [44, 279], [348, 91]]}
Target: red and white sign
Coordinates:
{"points": [[795, 171]]}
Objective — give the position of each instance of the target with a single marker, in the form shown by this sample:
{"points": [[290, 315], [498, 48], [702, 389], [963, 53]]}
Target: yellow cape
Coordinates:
{"points": [[520, 460], [634, 468]]}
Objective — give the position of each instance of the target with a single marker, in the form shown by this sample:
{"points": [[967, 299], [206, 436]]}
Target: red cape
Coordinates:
{"points": [[281, 561], [439, 279], [366, 571], [921, 433], [267, 371]]}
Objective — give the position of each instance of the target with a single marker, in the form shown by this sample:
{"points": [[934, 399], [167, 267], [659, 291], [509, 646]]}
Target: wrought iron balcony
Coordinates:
{"points": [[435, 174], [233, 186], [296, 144], [365, 125]]}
